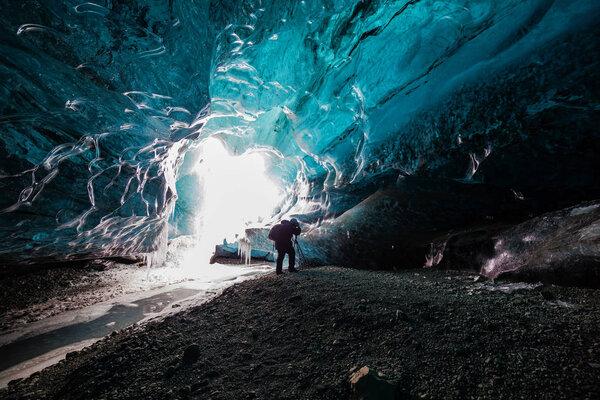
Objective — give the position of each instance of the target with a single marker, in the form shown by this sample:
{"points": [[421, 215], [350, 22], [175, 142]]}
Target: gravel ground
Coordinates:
{"points": [[30, 297], [439, 334]]}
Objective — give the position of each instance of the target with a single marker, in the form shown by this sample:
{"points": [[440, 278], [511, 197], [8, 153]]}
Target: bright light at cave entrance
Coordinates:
{"points": [[236, 191]]}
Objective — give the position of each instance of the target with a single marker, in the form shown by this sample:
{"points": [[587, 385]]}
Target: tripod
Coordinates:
{"points": [[300, 252]]}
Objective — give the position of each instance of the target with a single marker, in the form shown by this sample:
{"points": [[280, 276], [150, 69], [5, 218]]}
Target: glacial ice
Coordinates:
{"points": [[105, 105]]}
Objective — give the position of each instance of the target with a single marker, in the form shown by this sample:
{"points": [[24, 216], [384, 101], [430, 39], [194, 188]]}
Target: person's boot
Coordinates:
{"points": [[292, 269], [278, 271]]}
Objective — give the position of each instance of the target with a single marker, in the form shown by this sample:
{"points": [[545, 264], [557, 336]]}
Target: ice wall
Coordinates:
{"points": [[102, 102], [352, 88], [96, 97]]}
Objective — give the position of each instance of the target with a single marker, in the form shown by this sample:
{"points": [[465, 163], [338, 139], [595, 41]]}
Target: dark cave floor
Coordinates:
{"points": [[439, 334]]}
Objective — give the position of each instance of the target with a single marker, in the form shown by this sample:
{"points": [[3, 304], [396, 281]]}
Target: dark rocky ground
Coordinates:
{"points": [[300, 336], [38, 294]]}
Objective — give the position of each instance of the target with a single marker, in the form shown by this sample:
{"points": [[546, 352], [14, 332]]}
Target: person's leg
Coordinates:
{"points": [[292, 258], [280, 257]]}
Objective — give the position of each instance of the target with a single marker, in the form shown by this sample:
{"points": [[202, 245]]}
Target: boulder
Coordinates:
{"points": [[560, 247]]}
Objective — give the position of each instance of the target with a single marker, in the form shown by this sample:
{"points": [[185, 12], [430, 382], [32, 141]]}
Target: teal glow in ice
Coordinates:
{"points": [[102, 102]]}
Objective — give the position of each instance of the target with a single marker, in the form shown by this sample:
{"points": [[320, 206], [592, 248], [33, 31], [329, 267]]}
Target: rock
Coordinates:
{"points": [[548, 294], [559, 247], [367, 385], [15, 381], [170, 372], [185, 391], [294, 298], [191, 354], [199, 385], [401, 315]]}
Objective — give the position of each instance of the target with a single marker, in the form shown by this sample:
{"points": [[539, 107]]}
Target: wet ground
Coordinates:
{"points": [[53, 312], [117, 317], [436, 334]]}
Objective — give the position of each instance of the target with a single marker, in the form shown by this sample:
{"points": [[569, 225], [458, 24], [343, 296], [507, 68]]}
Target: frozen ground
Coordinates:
{"points": [[92, 304]]}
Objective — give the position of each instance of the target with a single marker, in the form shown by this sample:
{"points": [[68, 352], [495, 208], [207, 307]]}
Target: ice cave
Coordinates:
{"points": [[440, 156]]}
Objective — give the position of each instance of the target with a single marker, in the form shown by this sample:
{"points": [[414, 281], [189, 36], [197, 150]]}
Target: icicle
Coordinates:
{"points": [[245, 250], [158, 257], [436, 253]]}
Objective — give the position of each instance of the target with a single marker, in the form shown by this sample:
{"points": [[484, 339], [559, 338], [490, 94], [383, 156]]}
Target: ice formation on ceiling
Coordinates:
{"points": [[104, 104]]}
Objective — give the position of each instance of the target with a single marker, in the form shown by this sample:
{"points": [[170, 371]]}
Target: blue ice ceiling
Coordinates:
{"points": [[104, 103]]}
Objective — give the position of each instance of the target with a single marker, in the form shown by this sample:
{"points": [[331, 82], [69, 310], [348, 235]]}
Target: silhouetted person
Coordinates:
{"points": [[282, 234]]}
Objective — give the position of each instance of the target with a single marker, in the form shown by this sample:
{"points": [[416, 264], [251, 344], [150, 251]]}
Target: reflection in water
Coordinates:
{"points": [[117, 317]]}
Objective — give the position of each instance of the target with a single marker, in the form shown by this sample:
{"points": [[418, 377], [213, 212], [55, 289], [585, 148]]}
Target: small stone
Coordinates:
{"points": [[401, 315], [191, 354], [169, 372], [198, 385], [367, 385], [296, 297], [14, 381], [186, 390], [548, 294]]}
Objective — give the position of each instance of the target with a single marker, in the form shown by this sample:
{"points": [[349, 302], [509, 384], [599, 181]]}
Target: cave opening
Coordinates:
{"points": [[234, 193]]}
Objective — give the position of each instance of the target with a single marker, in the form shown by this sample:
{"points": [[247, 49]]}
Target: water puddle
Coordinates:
{"points": [[46, 342], [119, 316], [57, 342]]}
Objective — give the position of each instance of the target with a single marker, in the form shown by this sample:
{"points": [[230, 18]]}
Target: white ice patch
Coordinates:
{"points": [[565, 304], [507, 287], [583, 210], [492, 266], [591, 232], [529, 239]]}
